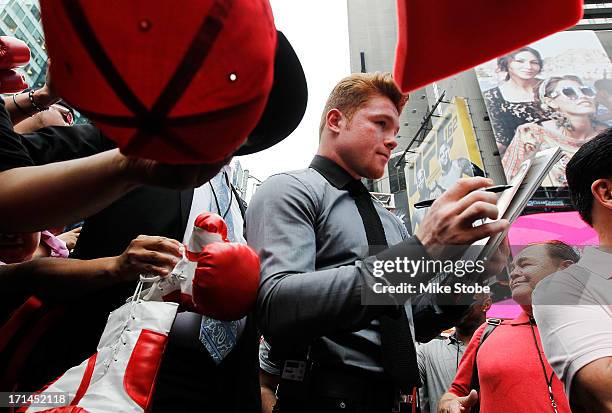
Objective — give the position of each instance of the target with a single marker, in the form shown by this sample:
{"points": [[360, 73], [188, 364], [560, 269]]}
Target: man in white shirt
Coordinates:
{"points": [[573, 308]]}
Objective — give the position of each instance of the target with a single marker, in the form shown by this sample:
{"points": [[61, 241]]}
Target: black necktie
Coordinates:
{"points": [[398, 353]]}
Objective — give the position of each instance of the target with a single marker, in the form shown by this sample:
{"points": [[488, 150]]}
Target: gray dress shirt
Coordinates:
{"points": [[438, 361], [311, 242], [265, 363]]}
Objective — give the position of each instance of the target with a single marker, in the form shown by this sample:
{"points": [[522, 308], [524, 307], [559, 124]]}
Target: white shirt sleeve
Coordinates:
{"points": [[575, 329]]}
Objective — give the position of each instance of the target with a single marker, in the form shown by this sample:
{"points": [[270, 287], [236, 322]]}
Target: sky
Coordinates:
{"points": [[318, 32]]}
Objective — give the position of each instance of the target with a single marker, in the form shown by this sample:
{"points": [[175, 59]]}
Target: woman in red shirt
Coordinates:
{"points": [[513, 373]]}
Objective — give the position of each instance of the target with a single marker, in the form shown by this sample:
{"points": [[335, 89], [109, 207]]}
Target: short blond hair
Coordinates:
{"points": [[354, 91]]}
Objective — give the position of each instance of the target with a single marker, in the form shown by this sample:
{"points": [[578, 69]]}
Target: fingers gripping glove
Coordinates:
{"points": [[227, 274], [177, 287], [215, 278]]}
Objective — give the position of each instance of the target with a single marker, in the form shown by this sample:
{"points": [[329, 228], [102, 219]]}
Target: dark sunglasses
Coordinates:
{"points": [[573, 93]]}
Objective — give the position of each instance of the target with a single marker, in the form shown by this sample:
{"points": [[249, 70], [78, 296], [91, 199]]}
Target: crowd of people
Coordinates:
{"points": [[81, 222]]}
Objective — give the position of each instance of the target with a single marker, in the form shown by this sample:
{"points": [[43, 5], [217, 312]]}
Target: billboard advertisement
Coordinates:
{"points": [[554, 92], [448, 152]]}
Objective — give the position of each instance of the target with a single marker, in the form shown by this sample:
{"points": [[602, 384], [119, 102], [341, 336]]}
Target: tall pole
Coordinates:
{"points": [[423, 125]]}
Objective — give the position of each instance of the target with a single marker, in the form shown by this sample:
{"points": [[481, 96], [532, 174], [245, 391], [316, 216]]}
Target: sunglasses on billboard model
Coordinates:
{"points": [[573, 93]]}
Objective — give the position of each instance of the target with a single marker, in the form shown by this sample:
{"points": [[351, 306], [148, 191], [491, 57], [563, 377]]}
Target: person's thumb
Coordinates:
{"points": [[469, 400]]}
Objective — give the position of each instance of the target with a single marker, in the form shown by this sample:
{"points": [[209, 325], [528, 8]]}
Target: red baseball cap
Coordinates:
{"points": [[11, 81], [182, 82], [438, 38], [13, 52]]}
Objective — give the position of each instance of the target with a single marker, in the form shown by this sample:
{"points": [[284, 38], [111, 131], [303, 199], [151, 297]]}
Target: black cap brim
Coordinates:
{"points": [[286, 103]]}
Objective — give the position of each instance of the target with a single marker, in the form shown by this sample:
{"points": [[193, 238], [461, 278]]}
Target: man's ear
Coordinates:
{"points": [[602, 192], [486, 304], [334, 119], [564, 264]]}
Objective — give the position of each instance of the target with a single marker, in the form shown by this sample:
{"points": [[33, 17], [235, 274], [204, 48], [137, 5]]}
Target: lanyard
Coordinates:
{"points": [[455, 340], [229, 204], [548, 380]]}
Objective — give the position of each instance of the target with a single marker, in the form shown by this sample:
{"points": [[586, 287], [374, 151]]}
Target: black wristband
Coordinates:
{"points": [[34, 105]]}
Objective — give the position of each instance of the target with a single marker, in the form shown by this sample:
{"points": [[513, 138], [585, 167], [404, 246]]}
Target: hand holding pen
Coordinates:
{"points": [[494, 189]]}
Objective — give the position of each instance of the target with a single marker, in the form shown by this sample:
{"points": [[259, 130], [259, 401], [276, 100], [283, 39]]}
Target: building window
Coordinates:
{"points": [[397, 176], [35, 12], [369, 183], [21, 35], [18, 11], [28, 24], [8, 20]]}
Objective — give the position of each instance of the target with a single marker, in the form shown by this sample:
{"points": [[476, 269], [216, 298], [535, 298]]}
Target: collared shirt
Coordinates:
{"points": [[573, 308], [204, 200], [311, 243], [438, 361], [509, 371]]}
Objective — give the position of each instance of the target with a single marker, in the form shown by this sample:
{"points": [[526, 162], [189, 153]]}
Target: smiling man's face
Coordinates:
{"points": [[529, 267]]}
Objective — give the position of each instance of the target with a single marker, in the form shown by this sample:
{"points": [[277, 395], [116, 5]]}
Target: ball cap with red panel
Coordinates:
{"points": [[194, 81], [13, 53], [438, 38]]}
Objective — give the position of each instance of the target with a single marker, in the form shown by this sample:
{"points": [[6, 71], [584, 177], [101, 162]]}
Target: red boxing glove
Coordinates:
{"points": [[226, 281], [11, 81], [177, 287], [207, 228], [13, 52], [213, 223]]}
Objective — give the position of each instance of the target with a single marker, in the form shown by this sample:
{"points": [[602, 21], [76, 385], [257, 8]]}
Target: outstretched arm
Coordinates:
{"points": [[37, 197], [37, 192], [65, 277]]}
